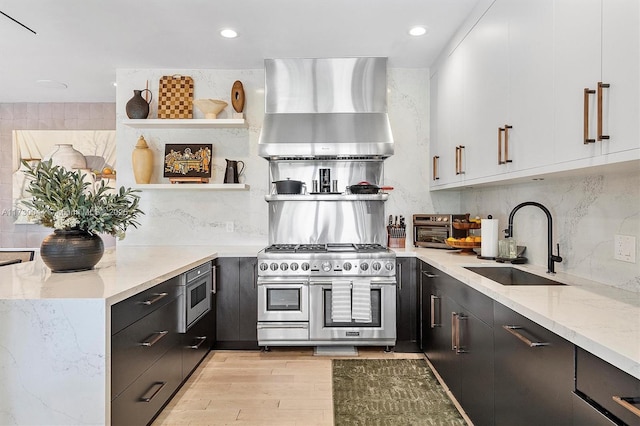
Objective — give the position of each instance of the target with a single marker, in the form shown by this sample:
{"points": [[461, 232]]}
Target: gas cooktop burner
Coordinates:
{"points": [[325, 248]]}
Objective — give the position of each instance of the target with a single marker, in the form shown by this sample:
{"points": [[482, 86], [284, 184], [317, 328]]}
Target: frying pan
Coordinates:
{"points": [[367, 188]]}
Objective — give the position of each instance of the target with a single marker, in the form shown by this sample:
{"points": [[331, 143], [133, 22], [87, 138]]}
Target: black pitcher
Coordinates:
{"points": [[231, 174], [137, 107]]}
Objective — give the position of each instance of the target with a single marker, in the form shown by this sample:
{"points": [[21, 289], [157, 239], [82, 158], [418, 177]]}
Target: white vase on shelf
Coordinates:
{"points": [[65, 155]]}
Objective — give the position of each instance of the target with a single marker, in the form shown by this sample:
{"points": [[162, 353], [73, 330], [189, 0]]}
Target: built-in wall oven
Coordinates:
{"points": [[431, 230], [197, 288]]}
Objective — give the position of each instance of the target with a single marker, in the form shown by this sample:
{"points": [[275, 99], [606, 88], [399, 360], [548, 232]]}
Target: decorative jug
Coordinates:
{"points": [[231, 174], [137, 107]]}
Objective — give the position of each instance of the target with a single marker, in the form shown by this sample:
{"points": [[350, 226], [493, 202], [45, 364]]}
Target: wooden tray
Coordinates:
{"points": [[467, 247]]}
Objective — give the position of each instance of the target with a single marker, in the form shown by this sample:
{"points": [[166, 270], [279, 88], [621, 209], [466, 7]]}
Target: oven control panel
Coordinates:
{"points": [[327, 267]]}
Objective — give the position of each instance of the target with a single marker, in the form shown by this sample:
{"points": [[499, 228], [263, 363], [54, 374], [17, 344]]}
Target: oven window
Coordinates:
{"points": [[427, 234], [283, 299], [198, 294], [376, 311]]}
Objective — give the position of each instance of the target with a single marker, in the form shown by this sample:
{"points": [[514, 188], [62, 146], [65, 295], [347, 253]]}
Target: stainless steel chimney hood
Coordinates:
{"points": [[326, 108]]}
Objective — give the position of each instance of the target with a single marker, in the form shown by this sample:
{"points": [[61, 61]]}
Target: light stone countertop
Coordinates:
{"points": [[121, 273], [602, 319]]}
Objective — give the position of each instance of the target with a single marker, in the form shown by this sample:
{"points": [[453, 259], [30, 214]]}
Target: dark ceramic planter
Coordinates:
{"points": [[71, 251]]}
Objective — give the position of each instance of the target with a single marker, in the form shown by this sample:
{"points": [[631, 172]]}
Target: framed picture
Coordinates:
{"points": [[187, 160]]}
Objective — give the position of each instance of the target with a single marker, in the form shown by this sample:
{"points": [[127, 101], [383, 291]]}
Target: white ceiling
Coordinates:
{"points": [[82, 42]]}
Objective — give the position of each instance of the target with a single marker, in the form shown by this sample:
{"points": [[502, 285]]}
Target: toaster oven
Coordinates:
{"points": [[431, 230]]}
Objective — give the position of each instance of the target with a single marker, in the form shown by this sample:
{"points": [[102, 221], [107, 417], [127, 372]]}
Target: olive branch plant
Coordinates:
{"points": [[63, 200]]}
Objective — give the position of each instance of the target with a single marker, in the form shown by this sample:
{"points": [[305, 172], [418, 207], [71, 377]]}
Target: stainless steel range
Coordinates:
{"points": [[326, 294]]}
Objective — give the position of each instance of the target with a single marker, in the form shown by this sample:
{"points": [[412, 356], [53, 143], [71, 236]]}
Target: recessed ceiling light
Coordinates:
{"points": [[228, 33], [417, 31], [115, 84], [51, 84]]}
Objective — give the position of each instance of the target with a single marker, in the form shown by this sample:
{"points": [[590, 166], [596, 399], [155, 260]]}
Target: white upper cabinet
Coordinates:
{"points": [[547, 86], [621, 71]]}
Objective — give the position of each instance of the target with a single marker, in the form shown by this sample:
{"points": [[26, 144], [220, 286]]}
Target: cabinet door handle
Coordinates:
{"points": [[601, 86], [214, 279], [506, 143], [459, 341], [436, 175], [512, 329], [200, 340], [435, 324], [628, 403], [500, 130], [454, 331], [152, 392], [399, 269], [587, 92], [429, 274], [155, 339], [459, 170], [154, 300]]}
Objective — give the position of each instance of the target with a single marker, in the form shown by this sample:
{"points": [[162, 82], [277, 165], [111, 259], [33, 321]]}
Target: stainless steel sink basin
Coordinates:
{"points": [[511, 276]]}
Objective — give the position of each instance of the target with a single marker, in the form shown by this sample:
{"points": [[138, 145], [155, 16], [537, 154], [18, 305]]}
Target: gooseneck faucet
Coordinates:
{"points": [[551, 258]]}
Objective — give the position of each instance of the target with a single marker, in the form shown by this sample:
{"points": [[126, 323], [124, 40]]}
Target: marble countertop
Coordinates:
{"points": [[602, 319], [121, 273]]}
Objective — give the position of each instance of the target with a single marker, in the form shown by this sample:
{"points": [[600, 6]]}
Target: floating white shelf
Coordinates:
{"points": [[194, 186], [195, 123], [328, 197]]}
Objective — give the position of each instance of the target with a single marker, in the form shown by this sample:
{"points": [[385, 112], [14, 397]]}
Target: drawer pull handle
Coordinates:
{"points": [[152, 392], [512, 329], [629, 403], [601, 86], [157, 336], [435, 324], [200, 340], [155, 299]]}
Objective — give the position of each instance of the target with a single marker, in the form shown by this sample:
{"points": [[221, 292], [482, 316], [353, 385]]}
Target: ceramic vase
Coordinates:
{"points": [[142, 161], [71, 250], [137, 107], [65, 155]]}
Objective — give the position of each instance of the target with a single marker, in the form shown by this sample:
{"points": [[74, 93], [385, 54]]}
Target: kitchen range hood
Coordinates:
{"points": [[326, 108]]}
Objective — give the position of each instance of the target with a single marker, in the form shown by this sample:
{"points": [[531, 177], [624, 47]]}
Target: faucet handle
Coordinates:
{"points": [[557, 258]]}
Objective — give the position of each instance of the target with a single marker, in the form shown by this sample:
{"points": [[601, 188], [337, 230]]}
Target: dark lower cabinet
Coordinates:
{"points": [[237, 303], [197, 342], [459, 343], [604, 392], [407, 324], [534, 372]]}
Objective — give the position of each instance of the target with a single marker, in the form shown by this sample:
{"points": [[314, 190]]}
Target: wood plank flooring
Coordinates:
{"points": [[284, 387]]}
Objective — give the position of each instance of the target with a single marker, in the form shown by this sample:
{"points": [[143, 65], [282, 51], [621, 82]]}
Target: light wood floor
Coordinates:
{"points": [[282, 387]]}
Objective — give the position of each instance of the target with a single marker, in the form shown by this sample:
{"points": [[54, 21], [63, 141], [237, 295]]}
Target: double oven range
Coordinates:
{"points": [[326, 294]]}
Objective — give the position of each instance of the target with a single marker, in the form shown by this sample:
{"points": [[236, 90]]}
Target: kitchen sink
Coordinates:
{"points": [[512, 276]]}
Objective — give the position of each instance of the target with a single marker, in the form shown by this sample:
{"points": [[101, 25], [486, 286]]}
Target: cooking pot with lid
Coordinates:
{"points": [[289, 186]]}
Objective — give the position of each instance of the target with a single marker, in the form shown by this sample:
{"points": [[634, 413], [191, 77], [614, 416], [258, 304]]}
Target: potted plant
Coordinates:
{"points": [[78, 211]]}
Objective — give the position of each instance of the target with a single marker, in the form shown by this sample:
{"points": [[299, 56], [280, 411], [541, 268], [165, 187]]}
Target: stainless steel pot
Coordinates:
{"points": [[289, 186]]}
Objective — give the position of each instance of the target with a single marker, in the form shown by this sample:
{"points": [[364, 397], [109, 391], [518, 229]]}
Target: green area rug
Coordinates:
{"points": [[389, 392]]}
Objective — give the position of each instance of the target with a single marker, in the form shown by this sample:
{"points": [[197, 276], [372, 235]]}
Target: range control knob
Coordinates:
{"points": [[284, 266], [364, 266], [264, 266], [376, 266], [326, 266], [305, 266], [274, 266], [347, 266], [294, 266], [389, 266]]}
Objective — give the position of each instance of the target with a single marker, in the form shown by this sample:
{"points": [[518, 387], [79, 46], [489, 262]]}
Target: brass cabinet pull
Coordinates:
{"points": [[155, 299], [628, 403], [506, 143], [503, 147], [200, 340], [157, 336], [601, 86], [153, 391], [512, 329], [587, 92], [436, 159], [459, 170], [435, 324]]}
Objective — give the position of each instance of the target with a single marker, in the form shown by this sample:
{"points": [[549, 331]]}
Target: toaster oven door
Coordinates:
{"points": [[430, 236]]}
